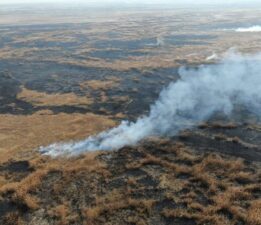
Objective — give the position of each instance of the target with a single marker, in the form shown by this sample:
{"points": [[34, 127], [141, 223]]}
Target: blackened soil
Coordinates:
{"points": [[142, 88], [145, 183]]}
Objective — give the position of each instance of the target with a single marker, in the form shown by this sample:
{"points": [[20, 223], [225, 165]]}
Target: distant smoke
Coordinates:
{"points": [[195, 97], [160, 41], [249, 29], [214, 56]]}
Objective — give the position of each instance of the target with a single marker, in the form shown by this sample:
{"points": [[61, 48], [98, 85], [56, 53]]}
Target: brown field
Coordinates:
{"points": [[101, 85], [22, 135], [44, 99]]}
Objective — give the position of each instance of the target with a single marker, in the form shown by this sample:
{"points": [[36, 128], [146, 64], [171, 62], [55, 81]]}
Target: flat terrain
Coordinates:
{"points": [[65, 77]]}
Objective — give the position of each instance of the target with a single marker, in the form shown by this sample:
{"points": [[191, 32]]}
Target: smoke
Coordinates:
{"points": [[160, 41], [249, 29], [214, 56], [195, 97]]}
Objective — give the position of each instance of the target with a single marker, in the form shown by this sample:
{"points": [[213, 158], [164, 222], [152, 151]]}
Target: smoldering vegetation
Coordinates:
{"points": [[160, 182], [194, 98]]}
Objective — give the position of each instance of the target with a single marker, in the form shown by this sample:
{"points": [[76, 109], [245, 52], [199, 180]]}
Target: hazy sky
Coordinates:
{"points": [[135, 1]]}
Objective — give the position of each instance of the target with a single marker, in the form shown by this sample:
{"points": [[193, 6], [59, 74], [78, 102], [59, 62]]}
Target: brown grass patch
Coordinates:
{"points": [[44, 99], [104, 85], [114, 201], [22, 191], [254, 213], [61, 212], [22, 133]]}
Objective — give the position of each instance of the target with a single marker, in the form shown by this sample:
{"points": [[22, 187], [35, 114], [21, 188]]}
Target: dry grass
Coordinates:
{"points": [[21, 189], [13, 218], [87, 163], [131, 181], [214, 162], [24, 133], [150, 160], [44, 99], [254, 213], [114, 201], [183, 178], [61, 212], [210, 173], [236, 140], [104, 85]]}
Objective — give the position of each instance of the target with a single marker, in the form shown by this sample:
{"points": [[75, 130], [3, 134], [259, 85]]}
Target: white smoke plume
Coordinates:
{"points": [[249, 29], [160, 41], [195, 97], [214, 56]]}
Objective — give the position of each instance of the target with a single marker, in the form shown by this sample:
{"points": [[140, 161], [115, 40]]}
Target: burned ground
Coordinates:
{"points": [[58, 57], [142, 88], [161, 181]]}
